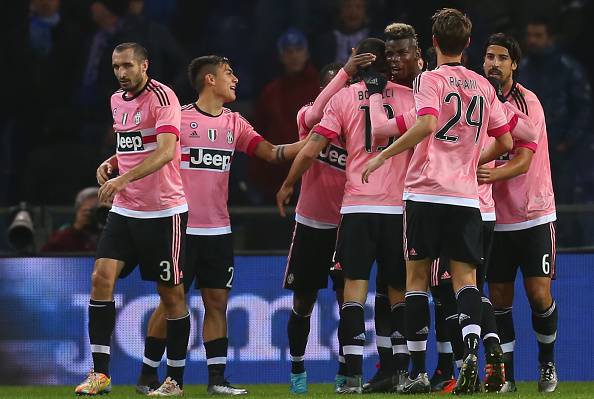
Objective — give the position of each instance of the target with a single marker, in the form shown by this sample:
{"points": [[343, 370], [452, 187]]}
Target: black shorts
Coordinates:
{"points": [[532, 250], [439, 230], [209, 262], [440, 268], [157, 245], [310, 260], [367, 237]]}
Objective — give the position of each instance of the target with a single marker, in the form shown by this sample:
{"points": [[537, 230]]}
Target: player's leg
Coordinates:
{"points": [[154, 348], [308, 266], [356, 250], [160, 243], [465, 250], [422, 242], [337, 277], [400, 353], [444, 371], [538, 269], [382, 379], [214, 277], [501, 275], [494, 365], [112, 251]]}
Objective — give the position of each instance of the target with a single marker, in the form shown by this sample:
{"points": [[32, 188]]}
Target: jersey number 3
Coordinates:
{"points": [[476, 101]]}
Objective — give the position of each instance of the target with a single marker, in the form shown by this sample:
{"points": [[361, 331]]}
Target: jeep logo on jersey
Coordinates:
{"points": [[130, 141], [208, 158], [334, 156], [212, 134]]}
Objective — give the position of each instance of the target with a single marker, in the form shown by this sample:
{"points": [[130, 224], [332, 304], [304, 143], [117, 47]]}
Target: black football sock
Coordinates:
{"points": [[469, 317], [352, 329], [298, 331], [383, 329], [489, 328], [545, 326], [417, 329], [507, 336], [399, 348], [178, 334], [154, 348], [101, 325], [216, 360], [445, 357]]}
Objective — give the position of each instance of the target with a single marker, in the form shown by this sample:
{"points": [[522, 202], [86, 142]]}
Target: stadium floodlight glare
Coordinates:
{"points": [[21, 230]]}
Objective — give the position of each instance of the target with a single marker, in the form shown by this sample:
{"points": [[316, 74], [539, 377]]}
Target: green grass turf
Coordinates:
{"points": [[573, 390]]}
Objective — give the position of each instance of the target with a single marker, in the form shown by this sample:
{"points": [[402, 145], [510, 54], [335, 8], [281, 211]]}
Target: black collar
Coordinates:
{"points": [[206, 113], [452, 64], [513, 88], [137, 94]]}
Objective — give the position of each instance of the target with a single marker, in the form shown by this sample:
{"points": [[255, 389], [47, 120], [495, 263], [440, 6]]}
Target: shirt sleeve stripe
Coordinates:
{"points": [[253, 144], [329, 134], [526, 144], [513, 122], [428, 111], [168, 129], [499, 131], [401, 124]]}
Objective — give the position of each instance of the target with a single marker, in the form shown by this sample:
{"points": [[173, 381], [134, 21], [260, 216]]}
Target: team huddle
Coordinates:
{"points": [[439, 177]]}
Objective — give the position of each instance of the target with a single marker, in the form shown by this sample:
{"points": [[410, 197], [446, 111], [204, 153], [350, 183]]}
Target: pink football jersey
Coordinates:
{"points": [[443, 165], [322, 185], [521, 129], [137, 120], [207, 144], [347, 117], [527, 200]]}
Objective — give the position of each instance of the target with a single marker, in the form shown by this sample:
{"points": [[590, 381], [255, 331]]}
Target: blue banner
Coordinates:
{"points": [[43, 339]]}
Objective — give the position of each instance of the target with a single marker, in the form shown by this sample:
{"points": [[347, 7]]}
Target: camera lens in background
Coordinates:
{"points": [[21, 231]]}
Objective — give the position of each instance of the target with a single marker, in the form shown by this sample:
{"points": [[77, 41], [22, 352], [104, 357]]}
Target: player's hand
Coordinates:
{"points": [[372, 165], [486, 175], [375, 81], [111, 187], [103, 172], [496, 83], [283, 196], [358, 61]]}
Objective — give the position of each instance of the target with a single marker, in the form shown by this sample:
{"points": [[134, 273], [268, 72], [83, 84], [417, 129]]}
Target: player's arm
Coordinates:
{"points": [[277, 154], [106, 168], [381, 126], [302, 162], [514, 167], [423, 127], [166, 144], [500, 146], [520, 125], [313, 114]]}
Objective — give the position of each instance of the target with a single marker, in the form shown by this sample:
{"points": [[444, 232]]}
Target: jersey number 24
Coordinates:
{"points": [[476, 101]]}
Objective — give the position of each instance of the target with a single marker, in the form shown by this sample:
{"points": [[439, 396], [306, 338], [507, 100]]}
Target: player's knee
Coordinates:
{"points": [[303, 302], [500, 296], [102, 282], [539, 297], [216, 304]]}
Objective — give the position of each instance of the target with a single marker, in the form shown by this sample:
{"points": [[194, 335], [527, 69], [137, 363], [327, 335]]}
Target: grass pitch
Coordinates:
{"points": [[573, 390]]}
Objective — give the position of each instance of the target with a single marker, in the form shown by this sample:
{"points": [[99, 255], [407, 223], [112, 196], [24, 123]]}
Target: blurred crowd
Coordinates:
{"points": [[55, 126]]}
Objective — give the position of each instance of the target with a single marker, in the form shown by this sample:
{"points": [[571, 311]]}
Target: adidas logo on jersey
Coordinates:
{"points": [[334, 156], [445, 275], [210, 159], [423, 331], [360, 337], [129, 142]]}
